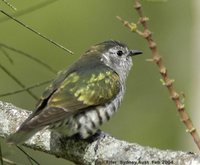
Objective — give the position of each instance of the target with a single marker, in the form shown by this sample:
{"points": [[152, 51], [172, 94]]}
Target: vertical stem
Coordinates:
{"points": [[168, 82]]}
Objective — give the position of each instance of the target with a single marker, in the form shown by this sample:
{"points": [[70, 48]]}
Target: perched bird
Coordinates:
{"points": [[84, 96]]}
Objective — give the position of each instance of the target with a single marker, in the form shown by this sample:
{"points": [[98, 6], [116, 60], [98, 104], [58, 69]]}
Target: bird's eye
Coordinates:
{"points": [[120, 53]]}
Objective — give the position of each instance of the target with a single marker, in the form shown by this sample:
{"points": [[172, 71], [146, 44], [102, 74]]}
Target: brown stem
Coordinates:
{"points": [[147, 34], [168, 82]]}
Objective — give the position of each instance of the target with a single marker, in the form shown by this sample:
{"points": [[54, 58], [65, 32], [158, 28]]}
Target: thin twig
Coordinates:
{"points": [[29, 9], [8, 4], [10, 162], [28, 156], [6, 55], [17, 81], [1, 156], [7, 161], [25, 89], [36, 32], [147, 34], [30, 57]]}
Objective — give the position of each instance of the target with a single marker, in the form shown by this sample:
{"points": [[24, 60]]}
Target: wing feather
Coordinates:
{"points": [[78, 91]]}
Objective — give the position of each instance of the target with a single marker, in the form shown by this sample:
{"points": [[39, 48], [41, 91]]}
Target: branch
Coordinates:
{"points": [[103, 149], [36, 32], [157, 59]]}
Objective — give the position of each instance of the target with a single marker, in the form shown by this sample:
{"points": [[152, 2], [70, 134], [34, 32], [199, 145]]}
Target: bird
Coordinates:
{"points": [[83, 96]]}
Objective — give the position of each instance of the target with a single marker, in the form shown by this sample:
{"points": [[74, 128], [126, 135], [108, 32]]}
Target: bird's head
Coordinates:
{"points": [[115, 55]]}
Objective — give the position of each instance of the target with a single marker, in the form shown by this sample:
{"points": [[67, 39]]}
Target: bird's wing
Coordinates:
{"points": [[79, 90]]}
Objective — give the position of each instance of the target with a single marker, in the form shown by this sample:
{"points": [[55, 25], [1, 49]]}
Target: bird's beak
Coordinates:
{"points": [[135, 52]]}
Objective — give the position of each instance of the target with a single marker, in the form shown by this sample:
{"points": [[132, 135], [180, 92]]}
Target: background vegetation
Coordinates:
{"points": [[147, 116]]}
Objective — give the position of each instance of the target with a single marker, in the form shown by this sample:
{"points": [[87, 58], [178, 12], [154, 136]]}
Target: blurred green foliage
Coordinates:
{"points": [[147, 116]]}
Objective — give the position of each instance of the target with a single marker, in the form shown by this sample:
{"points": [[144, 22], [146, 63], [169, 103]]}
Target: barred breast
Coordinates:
{"points": [[87, 122]]}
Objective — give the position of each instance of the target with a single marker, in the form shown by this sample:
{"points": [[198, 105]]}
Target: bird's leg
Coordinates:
{"points": [[96, 136]]}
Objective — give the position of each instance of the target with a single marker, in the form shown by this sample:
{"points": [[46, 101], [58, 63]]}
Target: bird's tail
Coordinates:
{"points": [[21, 136]]}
